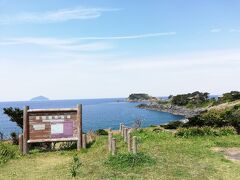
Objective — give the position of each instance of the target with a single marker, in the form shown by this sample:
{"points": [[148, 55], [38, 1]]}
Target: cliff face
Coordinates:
{"points": [[177, 110]]}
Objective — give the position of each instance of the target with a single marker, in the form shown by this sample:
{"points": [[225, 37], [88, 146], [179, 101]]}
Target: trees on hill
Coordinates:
{"points": [[195, 98], [231, 96]]}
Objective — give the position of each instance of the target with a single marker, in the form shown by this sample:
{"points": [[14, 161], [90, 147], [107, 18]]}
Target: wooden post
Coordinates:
{"points": [[120, 128], [110, 141], [25, 129], [84, 141], [134, 145], [129, 141], [125, 134], [114, 146], [1, 136], [20, 143], [79, 126]]}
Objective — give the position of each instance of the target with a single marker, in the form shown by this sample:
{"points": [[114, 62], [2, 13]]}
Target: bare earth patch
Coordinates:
{"points": [[232, 154]]}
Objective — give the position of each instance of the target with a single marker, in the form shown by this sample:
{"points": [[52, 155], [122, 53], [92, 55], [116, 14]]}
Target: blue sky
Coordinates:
{"points": [[94, 49]]}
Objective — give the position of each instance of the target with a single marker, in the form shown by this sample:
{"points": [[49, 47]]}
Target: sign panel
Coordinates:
{"points": [[54, 124]]}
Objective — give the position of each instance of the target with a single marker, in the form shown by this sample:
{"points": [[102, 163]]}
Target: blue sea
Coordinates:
{"points": [[97, 113]]}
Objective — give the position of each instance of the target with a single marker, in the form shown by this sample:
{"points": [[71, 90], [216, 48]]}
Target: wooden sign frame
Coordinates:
{"points": [[34, 132]]}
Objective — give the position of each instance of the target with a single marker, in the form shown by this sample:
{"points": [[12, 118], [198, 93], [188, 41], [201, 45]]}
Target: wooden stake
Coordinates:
{"points": [[134, 145], [129, 141], [125, 134], [84, 141], [114, 146], [120, 128], [25, 129], [79, 126], [20, 143], [110, 141]]}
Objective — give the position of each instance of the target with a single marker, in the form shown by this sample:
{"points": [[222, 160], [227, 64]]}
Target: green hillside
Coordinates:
{"points": [[174, 158]]}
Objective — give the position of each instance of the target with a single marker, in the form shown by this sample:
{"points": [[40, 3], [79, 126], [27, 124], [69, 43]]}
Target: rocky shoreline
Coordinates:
{"points": [[176, 110]]}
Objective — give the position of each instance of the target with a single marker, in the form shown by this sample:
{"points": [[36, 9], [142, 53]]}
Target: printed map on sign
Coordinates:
{"points": [[62, 130]]}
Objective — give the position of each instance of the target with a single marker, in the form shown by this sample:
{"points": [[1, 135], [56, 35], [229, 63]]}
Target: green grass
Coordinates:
{"points": [[170, 158]]}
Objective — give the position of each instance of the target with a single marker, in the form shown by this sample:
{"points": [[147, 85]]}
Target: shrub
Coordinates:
{"points": [[126, 160], [101, 132], [14, 138], [7, 152], [75, 166], [205, 131], [173, 125]]}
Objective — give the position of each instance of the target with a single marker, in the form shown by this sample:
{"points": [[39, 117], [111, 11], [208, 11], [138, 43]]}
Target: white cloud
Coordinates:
{"points": [[77, 43], [61, 15], [58, 43], [138, 36], [64, 76], [215, 30], [234, 30]]}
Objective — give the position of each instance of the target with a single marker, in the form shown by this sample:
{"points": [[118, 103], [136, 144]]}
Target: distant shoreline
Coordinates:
{"points": [[176, 110]]}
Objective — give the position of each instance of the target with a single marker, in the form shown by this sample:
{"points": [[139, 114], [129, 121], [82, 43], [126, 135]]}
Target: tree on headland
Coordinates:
{"points": [[230, 96], [15, 115], [195, 98]]}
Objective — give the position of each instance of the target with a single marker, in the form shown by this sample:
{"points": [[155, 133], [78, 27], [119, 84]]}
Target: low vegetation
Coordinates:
{"points": [[75, 166], [161, 156], [218, 118], [101, 132], [205, 131], [123, 161], [7, 152]]}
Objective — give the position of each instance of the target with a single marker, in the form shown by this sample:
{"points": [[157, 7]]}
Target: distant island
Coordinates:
{"points": [[40, 98], [140, 97]]}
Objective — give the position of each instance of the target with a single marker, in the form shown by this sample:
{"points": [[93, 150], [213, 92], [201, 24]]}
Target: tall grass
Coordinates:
{"points": [[7, 152], [205, 131]]}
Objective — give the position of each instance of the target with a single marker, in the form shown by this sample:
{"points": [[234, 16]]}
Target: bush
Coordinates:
{"points": [[205, 131], [75, 166], [14, 138], [126, 160], [173, 125], [101, 132], [7, 152], [217, 118]]}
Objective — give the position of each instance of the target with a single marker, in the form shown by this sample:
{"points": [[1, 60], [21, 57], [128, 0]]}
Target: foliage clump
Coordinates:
{"points": [[217, 118], [205, 131], [123, 161], [75, 166], [101, 132], [7, 152], [15, 114], [229, 97], [191, 99], [173, 125]]}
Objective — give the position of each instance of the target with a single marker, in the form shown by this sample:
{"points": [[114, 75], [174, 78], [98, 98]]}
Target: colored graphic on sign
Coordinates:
{"points": [[57, 128], [62, 130]]}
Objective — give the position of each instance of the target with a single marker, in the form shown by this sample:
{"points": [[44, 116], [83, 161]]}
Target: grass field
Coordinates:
{"points": [[175, 158]]}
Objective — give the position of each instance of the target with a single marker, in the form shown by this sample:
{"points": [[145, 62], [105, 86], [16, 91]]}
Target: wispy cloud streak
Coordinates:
{"points": [[215, 30], [58, 43], [139, 36], [55, 16], [234, 30], [82, 43]]}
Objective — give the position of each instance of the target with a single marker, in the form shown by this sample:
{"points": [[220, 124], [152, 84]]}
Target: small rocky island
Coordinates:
{"points": [[40, 98], [141, 97]]}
